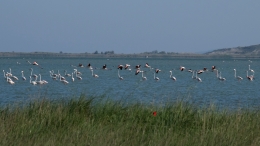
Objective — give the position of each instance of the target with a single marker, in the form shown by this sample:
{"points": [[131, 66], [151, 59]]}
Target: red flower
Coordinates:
{"points": [[154, 113]]}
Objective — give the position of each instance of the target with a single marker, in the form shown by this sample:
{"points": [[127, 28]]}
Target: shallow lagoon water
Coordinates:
{"points": [[231, 93]]}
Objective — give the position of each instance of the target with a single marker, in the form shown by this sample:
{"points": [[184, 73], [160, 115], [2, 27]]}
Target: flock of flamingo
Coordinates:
{"points": [[10, 78]]}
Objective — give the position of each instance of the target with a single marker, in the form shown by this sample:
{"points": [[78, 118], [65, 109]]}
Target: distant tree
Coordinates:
{"points": [[154, 52], [96, 52], [162, 52], [60, 52], [102, 53], [109, 52]]}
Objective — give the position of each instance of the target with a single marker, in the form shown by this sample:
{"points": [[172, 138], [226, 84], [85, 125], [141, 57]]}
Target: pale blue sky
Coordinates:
{"points": [[127, 26]]}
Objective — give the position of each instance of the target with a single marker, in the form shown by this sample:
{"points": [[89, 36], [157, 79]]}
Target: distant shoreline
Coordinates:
{"points": [[140, 55]]}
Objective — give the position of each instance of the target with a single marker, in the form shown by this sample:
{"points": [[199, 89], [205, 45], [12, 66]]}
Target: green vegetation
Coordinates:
{"points": [[253, 50], [98, 121]]}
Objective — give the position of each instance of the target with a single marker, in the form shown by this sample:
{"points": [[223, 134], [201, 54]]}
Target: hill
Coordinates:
{"points": [[253, 50]]}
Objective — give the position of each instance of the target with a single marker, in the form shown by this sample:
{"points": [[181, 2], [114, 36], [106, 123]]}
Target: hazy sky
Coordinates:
{"points": [[132, 26]]}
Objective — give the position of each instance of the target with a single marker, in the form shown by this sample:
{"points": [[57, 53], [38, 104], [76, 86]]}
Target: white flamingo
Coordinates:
{"points": [[10, 81], [77, 75], [121, 78], [63, 81], [53, 74], [68, 75], [193, 77], [14, 77], [199, 79], [33, 75], [156, 78], [250, 69], [221, 78], [32, 82], [172, 77], [11, 75], [40, 81], [54, 77], [238, 77], [4, 73], [72, 78], [23, 77], [143, 77], [94, 75]]}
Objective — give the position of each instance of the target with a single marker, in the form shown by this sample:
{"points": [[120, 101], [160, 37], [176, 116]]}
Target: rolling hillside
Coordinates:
{"points": [[247, 50]]}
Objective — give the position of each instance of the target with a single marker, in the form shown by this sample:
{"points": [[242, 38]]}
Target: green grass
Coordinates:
{"points": [[96, 121]]}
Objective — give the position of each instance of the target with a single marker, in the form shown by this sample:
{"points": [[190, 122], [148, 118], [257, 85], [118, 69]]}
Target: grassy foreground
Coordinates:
{"points": [[87, 121]]}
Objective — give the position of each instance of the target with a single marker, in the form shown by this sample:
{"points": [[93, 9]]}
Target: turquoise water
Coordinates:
{"points": [[231, 93]]}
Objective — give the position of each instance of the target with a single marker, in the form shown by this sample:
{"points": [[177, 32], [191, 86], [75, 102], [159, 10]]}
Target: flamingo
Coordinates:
{"points": [[4, 73], [40, 81], [32, 82], [199, 79], [137, 71], [200, 71], [172, 77], [193, 77], [182, 68], [238, 77], [190, 70], [104, 67], [63, 78], [137, 66], [143, 77], [44, 81], [127, 66], [33, 75], [68, 75], [81, 65], [121, 78], [120, 67], [77, 75], [23, 77], [77, 72], [63, 81], [34, 63], [72, 78], [14, 77], [157, 70], [147, 65], [213, 68], [250, 69], [10, 81], [11, 75], [53, 76], [250, 78], [221, 78], [156, 78], [94, 75], [89, 66]]}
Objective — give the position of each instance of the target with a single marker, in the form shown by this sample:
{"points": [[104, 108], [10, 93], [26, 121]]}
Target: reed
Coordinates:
{"points": [[98, 121]]}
